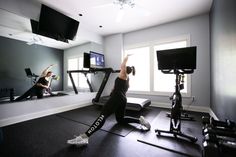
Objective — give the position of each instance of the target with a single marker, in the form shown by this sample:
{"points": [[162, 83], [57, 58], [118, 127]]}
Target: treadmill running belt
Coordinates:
{"points": [[135, 104]]}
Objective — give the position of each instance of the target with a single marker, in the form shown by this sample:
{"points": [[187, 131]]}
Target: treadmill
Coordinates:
{"points": [[135, 104]]}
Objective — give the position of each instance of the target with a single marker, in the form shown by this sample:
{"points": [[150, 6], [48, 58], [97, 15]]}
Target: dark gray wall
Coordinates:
{"points": [[16, 55], [223, 59]]}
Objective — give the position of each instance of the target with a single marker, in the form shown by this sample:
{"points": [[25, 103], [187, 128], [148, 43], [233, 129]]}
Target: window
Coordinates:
{"points": [[148, 78], [79, 78], [166, 82], [73, 65], [140, 59], [82, 79]]}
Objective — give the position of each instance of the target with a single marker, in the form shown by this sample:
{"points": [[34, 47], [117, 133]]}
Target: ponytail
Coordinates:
{"points": [[130, 69], [133, 70]]}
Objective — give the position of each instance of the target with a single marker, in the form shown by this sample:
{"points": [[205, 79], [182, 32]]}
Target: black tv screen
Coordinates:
{"points": [[181, 58], [97, 59], [86, 60], [56, 25]]}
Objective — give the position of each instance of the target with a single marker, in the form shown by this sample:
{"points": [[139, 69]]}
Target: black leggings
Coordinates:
{"points": [[116, 104], [31, 92]]}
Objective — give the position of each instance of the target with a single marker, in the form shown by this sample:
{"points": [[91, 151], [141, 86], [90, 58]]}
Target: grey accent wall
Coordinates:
{"points": [[16, 55], [196, 27], [223, 59]]}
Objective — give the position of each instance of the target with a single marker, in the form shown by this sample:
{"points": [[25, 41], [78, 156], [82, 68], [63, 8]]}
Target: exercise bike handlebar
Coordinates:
{"points": [[177, 71]]}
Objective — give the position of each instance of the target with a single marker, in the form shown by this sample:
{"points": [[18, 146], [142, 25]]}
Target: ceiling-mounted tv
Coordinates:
{"points": [[56, 25]]}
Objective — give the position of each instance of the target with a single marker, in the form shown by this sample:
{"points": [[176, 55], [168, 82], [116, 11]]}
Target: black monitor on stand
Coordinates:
{"points": [[31, 75], [182, 59], [179, 62]]}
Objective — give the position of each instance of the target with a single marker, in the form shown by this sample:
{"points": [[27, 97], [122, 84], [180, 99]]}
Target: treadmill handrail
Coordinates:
{"points": [[93, 70], [107, 72]]}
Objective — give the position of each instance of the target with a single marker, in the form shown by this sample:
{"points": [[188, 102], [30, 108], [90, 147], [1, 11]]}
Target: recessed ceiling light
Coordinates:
{"points": [[80, 14], [100, 26]]}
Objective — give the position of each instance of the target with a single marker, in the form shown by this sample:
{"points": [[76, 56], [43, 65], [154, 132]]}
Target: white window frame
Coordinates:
{"points": [[151, 45], [69, 85], [68, 79]]}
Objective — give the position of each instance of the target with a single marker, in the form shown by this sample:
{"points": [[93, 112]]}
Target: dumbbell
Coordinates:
{"points": [[225, 124], [220, 141], [211, 146], [217, 139], [220, 132], [210, 149]]}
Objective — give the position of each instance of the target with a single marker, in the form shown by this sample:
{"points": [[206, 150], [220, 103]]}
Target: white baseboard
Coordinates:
{"points": [[50, 107], [212, 114]]}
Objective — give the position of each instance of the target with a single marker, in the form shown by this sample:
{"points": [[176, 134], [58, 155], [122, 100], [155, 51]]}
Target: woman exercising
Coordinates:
{"points": [[116, 104], [40, 86]]}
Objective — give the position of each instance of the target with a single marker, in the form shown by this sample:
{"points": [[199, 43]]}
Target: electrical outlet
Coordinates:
{"points": [[193, 98]]}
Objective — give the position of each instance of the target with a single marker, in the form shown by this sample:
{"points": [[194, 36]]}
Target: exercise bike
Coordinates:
{"points": [[176, 109], [184, 114], [179, 62]]}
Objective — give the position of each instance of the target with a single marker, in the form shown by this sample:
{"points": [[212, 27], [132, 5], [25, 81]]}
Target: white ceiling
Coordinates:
{"points": [[145, 13]]}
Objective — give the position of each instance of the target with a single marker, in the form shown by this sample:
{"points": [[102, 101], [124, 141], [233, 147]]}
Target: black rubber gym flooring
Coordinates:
{"points": [[181, 145], [47, 136], [87, 115]]}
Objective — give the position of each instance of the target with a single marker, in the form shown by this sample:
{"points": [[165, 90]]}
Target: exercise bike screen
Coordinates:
{"points": [[181, 58]]}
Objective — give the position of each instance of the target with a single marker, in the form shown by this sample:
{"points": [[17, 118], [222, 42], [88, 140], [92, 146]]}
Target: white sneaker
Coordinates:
{"points": [[78, 141], [144, 122]]}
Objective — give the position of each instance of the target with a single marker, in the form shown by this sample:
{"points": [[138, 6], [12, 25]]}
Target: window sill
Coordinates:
{"points": [[164, 94]]}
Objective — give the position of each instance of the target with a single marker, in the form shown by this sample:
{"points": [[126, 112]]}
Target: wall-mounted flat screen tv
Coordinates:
{"points": [[97, 60]]}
